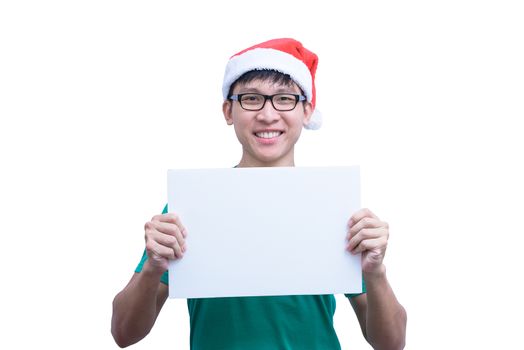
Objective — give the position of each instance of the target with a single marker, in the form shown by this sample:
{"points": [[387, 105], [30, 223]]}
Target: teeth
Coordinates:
{"points": [[268, 134]]}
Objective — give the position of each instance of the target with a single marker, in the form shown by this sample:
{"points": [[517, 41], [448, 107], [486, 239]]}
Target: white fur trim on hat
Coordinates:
{"points": [[262, 58], [315, 122]]}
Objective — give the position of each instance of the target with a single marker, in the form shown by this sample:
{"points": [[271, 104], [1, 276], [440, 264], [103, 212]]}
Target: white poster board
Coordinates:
{"points": [[265, 231]]}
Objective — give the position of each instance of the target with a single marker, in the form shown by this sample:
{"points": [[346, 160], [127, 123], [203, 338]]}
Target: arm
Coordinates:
{"points": [[136, 307], [381, 317]]}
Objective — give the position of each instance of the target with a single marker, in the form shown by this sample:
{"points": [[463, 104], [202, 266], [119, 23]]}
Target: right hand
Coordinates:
{"points": [[165, 240]]}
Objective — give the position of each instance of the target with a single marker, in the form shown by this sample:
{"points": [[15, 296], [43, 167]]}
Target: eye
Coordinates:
{"points": [[285, 99], [251, 98]]}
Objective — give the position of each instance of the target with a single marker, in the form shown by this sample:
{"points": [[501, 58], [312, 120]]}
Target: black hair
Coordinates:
{"points": [[269, 75]]}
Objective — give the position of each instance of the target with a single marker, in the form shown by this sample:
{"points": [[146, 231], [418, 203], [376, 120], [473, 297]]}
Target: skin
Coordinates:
{"points": [[257, 152], [381, 317]]}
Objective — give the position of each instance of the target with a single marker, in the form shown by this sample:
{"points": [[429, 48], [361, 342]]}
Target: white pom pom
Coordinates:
{"points": [[315, 122]]}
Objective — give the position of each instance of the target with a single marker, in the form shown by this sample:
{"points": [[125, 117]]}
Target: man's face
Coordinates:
{"points": [[267, 136]]}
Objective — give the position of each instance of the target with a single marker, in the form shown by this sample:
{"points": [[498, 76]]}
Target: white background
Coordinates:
{"points": [[98, 99]]}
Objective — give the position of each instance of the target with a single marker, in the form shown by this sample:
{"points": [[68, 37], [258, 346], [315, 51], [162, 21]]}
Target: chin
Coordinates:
{"points": [[268, 160]]}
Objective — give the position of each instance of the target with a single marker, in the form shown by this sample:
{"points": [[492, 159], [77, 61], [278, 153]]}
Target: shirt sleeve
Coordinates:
{"points": [[165, 276]]}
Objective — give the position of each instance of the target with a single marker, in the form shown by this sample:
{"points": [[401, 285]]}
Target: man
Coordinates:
{"points": [[269, 96]]}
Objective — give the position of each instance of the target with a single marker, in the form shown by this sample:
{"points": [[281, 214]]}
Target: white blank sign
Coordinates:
{"points": [[265, 231]]}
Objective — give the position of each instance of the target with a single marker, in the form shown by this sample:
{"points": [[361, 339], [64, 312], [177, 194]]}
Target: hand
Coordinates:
{"points": [[369, 236], [165, 240]]}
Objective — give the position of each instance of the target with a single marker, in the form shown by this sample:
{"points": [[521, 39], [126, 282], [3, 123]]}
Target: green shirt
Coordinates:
{"points": [[268, 322]]}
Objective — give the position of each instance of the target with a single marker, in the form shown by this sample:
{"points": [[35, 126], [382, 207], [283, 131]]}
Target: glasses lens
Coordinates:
{"points": [[252, 101], [284, 102]]}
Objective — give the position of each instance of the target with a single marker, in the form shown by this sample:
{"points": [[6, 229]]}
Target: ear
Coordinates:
{"points": [[227, 107], [308, 112]]}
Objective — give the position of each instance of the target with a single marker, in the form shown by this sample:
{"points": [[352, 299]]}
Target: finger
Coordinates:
{"points": [[153, 248], [171, 230], [364, 234], [178, 246], [370, 244], [366, 222], [167, 234], [167, 228], [173, 219], [359, 215]]}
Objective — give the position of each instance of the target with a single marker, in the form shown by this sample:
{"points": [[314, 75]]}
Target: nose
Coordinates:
{"points": [[268, 113]]}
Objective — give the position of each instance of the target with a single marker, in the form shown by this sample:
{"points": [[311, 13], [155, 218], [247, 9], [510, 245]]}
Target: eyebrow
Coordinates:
{"points": [[280, 90]]}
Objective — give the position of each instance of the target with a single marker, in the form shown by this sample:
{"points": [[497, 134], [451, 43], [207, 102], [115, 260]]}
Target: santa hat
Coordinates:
{"points": [[287, 56]]}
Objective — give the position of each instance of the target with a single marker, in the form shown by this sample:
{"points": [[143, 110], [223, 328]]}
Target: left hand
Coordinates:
{"points": [[368, 235]]}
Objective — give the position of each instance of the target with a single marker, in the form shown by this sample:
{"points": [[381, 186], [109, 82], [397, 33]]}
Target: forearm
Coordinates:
{"points": [[135, 308], [386, 318]]}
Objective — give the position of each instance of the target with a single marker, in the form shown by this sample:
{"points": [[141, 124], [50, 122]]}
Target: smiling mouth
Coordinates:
{"points": [[268, 134]]}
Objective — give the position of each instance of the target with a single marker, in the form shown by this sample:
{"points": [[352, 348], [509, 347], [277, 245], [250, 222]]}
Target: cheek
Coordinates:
{"points": [[241, 127], [298, 133], [297, 125], [239, 121]]}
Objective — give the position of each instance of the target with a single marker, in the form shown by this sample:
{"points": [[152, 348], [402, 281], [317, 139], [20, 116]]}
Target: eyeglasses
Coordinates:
{"points": [[280, 102]]}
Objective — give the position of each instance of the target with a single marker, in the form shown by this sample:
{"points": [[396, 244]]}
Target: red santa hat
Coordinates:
{"points": [[287, 56]]}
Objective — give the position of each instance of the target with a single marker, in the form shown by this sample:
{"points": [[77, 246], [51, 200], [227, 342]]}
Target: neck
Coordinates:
{"points": [[247, 162]]}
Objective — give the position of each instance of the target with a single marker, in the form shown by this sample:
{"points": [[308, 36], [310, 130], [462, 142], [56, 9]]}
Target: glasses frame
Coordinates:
{"points": [[238, 97]]}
